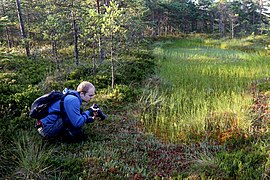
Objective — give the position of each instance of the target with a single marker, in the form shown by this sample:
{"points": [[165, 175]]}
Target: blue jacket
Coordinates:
{"points": [[72, 104]]}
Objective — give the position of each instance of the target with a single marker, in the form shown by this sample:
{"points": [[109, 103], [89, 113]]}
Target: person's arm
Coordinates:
{"points": [[72, 108]]}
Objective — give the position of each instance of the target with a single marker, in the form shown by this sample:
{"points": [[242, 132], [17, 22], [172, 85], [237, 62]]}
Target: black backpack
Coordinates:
{"points": [[39, 108]]}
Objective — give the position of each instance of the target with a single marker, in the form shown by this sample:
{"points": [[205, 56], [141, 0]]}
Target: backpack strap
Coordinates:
{"points": [[62, 108]]}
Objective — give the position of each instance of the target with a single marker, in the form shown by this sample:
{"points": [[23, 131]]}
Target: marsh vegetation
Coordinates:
{"points": [[189, 108]]}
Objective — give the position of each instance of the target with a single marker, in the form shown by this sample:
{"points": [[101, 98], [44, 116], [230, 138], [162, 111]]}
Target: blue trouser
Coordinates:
{"points": [[58, 128], [53, 129]]}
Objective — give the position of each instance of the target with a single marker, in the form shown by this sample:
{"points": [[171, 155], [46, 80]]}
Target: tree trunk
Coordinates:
{"points": [[101, 52], [54, 51], [6, 28], [158, 26], [153, 30], [112, 61], [75, 32], [213, 22], [93, 57], [25, 41], [232, 29], [8, 38], [222, 10], [107, 2]]}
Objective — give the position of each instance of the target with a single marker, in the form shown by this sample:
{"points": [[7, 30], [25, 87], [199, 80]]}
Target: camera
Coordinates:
{"points": [[95, 110]]}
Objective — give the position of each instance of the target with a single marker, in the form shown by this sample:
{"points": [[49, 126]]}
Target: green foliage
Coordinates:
{"points": [[68, 166], [6, 163], [101, 80], [71, 84], [253, 44], [264, 86], [18, 79], [184, 43], [237, 159], [242, 163], [121, 93], [100, 77], [24, 70], [134, 69], [3, 22], [131, 69], [79, 73], [113, 20]]}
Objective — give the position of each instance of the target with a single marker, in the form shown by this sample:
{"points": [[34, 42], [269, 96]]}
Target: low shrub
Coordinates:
{"points": [[121, 93], [133, 70], [242, 163], [18, 80]]}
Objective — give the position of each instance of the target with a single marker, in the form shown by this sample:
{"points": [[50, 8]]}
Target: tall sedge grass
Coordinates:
{"points": [[31, 157], [204, 91]]}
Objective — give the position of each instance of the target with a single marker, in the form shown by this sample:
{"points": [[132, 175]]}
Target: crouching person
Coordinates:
{"points": [[69, 120]]}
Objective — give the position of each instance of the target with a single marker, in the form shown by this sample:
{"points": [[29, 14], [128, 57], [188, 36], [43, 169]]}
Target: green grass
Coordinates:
{"points": [[203, 91]]}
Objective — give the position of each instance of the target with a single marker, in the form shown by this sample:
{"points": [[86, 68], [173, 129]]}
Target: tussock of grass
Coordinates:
{"points": [[31, 157]]}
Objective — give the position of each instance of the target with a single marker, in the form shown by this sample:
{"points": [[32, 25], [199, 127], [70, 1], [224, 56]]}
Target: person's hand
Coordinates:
{"points": [[96, 112]]}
